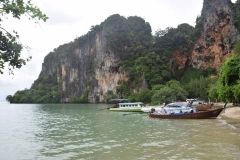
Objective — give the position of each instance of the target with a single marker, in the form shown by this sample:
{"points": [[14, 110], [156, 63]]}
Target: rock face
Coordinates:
{"points": [[89, 63], [218, 35]]}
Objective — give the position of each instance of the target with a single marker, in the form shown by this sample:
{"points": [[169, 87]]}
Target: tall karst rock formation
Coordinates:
{"points": [[218, 35], [91, 64]]}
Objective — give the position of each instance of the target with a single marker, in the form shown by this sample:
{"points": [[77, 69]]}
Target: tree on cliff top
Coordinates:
{"points": [[10, 47]]}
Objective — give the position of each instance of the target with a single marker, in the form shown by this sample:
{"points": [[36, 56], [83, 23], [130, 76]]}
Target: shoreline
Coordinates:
{"points": [[230, 111], [231, 114]]}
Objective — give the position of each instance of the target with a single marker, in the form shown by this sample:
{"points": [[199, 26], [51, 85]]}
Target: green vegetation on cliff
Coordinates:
{"points": [[227, 87], [44, 90]]}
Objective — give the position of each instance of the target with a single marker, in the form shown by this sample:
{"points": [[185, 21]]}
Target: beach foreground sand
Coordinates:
{"points": [[232, 112]]}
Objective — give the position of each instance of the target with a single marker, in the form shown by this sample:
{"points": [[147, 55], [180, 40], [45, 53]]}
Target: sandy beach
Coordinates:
{"points": [[231, 111], [231, 114]]}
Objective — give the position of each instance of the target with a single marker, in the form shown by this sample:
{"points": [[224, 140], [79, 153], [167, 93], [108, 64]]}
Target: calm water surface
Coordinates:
{"points": [[81, 131]]}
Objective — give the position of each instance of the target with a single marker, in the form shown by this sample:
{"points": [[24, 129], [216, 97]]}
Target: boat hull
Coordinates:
{"points": [[198, 115], [126, 109]]}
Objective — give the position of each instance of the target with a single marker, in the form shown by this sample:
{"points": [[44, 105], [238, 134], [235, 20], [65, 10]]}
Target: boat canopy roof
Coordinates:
{"points": [[120, 99], [178, 104], [132, 103], [198, 102]]}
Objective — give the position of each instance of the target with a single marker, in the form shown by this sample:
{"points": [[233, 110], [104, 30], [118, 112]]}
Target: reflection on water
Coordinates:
{"points": [[80, 131]]}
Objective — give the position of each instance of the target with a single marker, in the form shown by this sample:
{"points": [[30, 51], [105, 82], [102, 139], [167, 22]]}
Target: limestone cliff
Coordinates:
{"points": [[218, 34], [90, 64]]}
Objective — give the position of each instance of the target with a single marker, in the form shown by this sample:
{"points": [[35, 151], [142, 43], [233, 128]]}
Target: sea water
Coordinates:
{"points": [[91, 131]]}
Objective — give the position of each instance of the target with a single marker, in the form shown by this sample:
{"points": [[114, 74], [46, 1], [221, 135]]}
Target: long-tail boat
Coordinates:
{"points": [[189, 115], [203, 107]]}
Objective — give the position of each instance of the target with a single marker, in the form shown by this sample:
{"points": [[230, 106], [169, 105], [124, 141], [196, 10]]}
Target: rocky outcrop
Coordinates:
{"points": [[90, 66], [181, 59], [218, 35]]}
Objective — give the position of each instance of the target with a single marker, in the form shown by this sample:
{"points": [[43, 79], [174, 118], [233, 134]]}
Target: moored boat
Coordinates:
{"points": [[128, 107], [202, 107], [188, 115]]}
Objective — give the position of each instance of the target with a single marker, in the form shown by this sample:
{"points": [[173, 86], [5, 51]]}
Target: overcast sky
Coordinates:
{"points": [[74, 18]]}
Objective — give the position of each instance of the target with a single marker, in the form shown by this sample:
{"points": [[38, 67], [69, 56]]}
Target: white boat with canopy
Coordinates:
{"points": [[127, 106]]}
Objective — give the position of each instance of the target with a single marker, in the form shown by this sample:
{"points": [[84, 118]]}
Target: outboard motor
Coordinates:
{"points": [[153, 110]]}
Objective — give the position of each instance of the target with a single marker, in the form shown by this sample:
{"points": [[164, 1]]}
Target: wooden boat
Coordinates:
{"points": [[200, 105], [128, 107], [203, 107], [189, 115]]}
